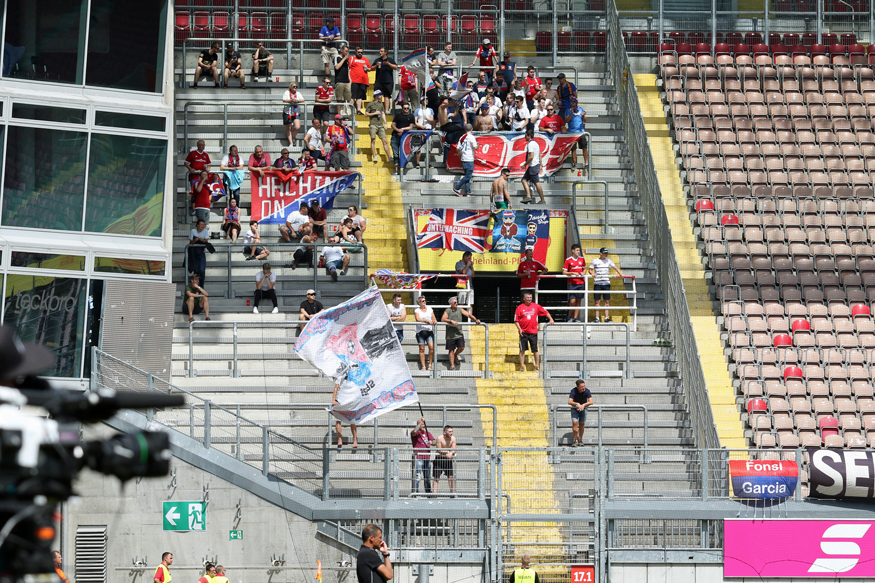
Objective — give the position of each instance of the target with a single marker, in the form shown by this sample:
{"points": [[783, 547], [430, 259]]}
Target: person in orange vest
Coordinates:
{"points": [[162, 573], [56, 555]]}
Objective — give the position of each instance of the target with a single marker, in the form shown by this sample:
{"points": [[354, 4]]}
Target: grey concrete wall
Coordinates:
{"points": [[132, 514]]}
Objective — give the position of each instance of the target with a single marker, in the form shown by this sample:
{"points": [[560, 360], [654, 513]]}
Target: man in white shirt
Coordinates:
{"points": [[335, 258], [532, 166], [313, 140], [424, 120], [397, 313], [467, 147], [265, 280], [518, 114], [252, 240], [297, 224], [293, 100], [601, 269]]}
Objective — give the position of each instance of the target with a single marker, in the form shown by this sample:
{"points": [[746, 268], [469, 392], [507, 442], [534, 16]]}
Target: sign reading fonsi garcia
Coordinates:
{"points": [[276, 194], [765, 479]]}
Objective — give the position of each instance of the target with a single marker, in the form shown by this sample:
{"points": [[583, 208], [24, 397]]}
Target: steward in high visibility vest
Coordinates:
{"points": [[524, 574], [162, 573], [220, 575]]}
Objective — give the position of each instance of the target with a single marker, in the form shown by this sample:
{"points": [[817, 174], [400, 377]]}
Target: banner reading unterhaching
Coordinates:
{"points": [[355, 344], [508, 150], [275, 194]]}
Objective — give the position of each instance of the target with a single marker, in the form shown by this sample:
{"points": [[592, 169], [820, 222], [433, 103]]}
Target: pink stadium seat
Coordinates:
{"points": [[202, 25], [782, 340]]}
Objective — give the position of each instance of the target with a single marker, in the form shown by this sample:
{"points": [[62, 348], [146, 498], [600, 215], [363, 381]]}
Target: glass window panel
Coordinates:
{"points": [[45, 40], [49, 311], [126, 185], [44, 179], [132, 266], [47, 261], [47, 113], [126, 44], [129, 121]]}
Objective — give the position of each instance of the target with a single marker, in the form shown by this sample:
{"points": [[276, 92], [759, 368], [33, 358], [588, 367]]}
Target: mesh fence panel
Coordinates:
{"points": [[417, 477], [665, 534], [655, 473], [552, 547]]}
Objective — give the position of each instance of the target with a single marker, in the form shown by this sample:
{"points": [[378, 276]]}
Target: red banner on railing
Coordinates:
{"points": [[508, 150]]}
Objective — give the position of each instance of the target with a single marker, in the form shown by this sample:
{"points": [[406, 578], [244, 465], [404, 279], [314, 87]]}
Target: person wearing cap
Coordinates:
{"points": [[339, 136], [196, 298], [600, 268], [576, 120], [328, 34], [265, 280], [488, 57], [293, 100], [564, 94], [507, 67], [447, 60], [385, 67], [376, 113], [309, 308], [532, 168], [484, 122]]}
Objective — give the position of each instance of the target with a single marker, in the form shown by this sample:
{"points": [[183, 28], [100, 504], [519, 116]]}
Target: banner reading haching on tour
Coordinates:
{"points": [[355, 344]]}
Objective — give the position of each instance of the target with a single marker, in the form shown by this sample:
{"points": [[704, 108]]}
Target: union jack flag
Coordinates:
{"points": [[458, 230]]}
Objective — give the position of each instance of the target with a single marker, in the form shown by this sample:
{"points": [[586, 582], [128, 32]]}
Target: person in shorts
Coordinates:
{"points": [[601, 269], [426, 322], [384, 80], [579, 399], [445, 458], [376, 112], [453, 316], [526, 320], [328, 34], [196, 298], [532, 167], [575, 269], [324, 97], [342, 86], [251, 240], [358, 74]]}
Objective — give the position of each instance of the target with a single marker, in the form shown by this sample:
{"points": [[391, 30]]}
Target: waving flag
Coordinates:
{"points": [[276, 194], [397, 280], [418, 63], [458, 230], [355, 344], [217, 191], [413, 141]]}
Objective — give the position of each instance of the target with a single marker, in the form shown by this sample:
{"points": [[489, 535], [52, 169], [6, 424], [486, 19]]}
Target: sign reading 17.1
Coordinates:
{"points": [[184, 516]]}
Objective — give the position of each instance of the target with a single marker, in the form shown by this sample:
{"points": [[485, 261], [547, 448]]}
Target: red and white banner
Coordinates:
{"points": [[508, 150]]}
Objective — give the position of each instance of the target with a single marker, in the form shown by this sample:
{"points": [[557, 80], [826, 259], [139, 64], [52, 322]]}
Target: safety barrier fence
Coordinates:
{"points": [[287, 331], [585, 306], [670, 278], [464, 294], [561, 421], [287, 250], [562, 360]]}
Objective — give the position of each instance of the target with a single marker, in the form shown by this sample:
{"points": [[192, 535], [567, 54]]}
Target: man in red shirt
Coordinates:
{"points": [[575, 267], [324, 96], [358, 76], [526, 320], [487, 56], [551, 123], [533, 87], [529, 271], [196, 161]]}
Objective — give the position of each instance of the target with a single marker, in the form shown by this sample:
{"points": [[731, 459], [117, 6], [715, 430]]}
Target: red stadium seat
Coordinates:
{"points": [[861, 310], [695, 38], [298, 20], [202, 25], [741, 49], [373, 28], [581, 40], [431, 29], [817, 49], [599, 40], [757, 406], [182, 26], [243, 25], [543, 41], [453, 22], [258, 25], [638, 41], [829, 38], [782, 340], [487, 25], [800, 326], [652, 41], [314, 24], [792, 372], [791, 39], [778, 49], [277, 25], [798, 50], [677, 36], [705, 205], [564, 41], [809, 38], [848, 39], [728, 220], [722, 49], [389, 30], [411, 31], [469, 32], [221, 25], [753, 38], [734, 38], [759, 49]]}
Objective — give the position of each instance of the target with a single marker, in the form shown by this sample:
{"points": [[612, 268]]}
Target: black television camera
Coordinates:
{"points": [[40, 457]]}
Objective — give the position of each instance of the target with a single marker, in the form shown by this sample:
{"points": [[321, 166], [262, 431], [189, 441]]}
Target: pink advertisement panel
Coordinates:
{"points": [[799, 548]]}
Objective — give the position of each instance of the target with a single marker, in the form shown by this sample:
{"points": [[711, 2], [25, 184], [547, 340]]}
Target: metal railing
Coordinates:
{"points": [[300, 42], [281, 248], [585, 306], [585, 339], [265, 326], [556, 426], [670, 278], [417, 292]]}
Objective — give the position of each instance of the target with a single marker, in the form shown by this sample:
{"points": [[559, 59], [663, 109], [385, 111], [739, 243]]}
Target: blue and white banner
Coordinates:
{"points": [[355, 344], [413, 141], [275, 194], [418, 63]]}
